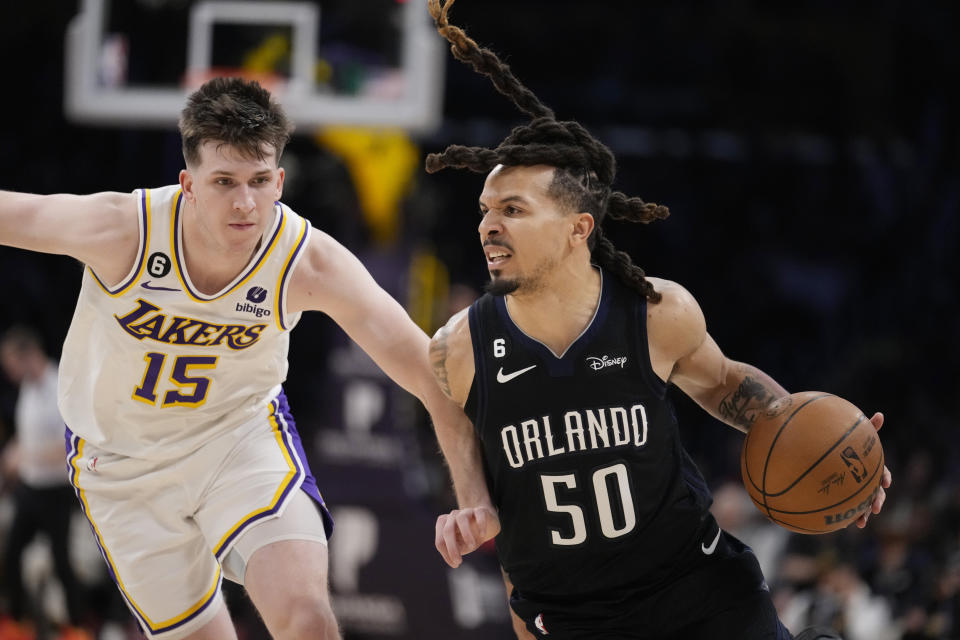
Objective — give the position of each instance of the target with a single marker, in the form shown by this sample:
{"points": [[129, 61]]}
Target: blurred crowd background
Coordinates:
{"points": [[810, 155]]}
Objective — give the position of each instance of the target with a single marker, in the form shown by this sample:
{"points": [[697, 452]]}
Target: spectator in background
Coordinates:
{"points": [[34, 462], [737, 516], [860, 613]]}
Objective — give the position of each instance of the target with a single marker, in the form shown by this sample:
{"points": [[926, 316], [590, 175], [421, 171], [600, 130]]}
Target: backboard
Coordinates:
{"points": [[348, 62]]}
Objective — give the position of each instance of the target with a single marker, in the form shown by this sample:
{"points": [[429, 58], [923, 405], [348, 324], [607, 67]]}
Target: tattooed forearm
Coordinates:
{"points": [[740, 407], [438, 359]]}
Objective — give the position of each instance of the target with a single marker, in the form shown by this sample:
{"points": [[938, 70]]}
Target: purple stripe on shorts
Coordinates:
{"points": [[203, 607], [73, 450], [71, 442], [309, 485], [294, 448], [220, 549]]}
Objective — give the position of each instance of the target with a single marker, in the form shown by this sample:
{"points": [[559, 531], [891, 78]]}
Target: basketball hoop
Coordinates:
{"points": [[272, 82], [99, 89]]}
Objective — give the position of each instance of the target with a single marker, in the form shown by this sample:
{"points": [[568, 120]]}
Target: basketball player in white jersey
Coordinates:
{"points": [[180, 444]]}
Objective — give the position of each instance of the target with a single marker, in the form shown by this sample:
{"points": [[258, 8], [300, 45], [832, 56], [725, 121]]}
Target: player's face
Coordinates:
{"points": [[523, 230], [233, 195]]}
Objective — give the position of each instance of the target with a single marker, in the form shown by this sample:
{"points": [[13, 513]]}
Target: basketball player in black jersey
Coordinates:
{"points": [[564, 368]]}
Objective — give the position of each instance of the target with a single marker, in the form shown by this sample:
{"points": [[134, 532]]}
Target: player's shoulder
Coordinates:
{"points": [[451, 355], [115, 204], [327, 277], [675, 303], [322, 254], [676, 321], [113, 216], [327, 260], [167, 191], [102, 230], [672, 293], [455, 333]]}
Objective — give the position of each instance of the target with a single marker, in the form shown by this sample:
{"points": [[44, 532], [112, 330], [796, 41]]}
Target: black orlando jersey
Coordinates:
{"points": [[582, 453]]}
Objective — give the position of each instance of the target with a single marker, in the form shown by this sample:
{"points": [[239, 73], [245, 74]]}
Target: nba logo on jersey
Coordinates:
{"points": [[538, 623]]}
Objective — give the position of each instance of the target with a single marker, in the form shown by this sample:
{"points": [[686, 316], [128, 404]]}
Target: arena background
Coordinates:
{"points": [[809, 156]]}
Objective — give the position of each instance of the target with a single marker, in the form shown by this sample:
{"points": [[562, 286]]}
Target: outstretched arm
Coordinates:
{"points": [[100, 230], [331, 279], [731, 391]]}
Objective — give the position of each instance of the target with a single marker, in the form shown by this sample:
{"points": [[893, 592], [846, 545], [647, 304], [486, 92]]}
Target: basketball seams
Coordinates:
{"points": [[773, 443], [794, 527], [836, 444], [746, 442], [766, 462], [786, 457], [866, 485]]}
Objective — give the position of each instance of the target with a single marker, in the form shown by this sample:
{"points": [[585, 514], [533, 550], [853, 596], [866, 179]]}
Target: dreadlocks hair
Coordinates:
{"points": [[584, 166], [235, 112]]}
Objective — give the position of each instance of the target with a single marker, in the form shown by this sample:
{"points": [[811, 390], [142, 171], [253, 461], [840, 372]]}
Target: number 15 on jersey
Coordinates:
{"points": [[189, 391]]}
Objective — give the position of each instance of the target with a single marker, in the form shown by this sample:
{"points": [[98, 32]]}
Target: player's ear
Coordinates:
{"points": [[583, 224], [280, 175], [186, 183]]}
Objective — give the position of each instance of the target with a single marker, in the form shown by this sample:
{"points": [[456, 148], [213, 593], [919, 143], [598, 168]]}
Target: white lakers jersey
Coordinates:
{"points": [[152, 368]]}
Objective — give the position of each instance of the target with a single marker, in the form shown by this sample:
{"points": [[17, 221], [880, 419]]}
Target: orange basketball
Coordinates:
{"points": [[812, 463]]}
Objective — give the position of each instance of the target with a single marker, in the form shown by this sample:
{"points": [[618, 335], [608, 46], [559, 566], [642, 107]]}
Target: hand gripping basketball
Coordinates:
{"points": [[813, 463]]}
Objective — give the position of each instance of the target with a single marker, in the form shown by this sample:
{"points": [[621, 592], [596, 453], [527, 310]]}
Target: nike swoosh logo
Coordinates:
{"points": [[713, 545], [147, 285], [507, 377]]}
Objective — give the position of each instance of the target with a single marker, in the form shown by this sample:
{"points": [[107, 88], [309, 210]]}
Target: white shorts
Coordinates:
{"points": [[165, 528]]}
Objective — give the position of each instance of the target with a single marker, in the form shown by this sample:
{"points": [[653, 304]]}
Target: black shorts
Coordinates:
{"points": [[722, 596]]}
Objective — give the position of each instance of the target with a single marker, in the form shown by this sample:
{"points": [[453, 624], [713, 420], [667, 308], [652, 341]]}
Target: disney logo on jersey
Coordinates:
{"points": [[605, 361], [149, 321]]}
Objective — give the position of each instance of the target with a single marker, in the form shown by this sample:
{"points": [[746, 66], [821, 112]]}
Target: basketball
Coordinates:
{"points": [[812, 463]]}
